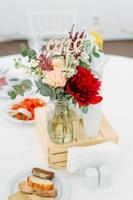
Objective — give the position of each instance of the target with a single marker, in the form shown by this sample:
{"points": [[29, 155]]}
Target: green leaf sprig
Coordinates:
{"points": [[84, 64], [95, 52], [27, 52], [20, 89]]}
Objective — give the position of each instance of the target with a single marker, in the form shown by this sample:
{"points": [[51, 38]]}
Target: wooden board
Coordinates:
{"points": [[56, 154]]}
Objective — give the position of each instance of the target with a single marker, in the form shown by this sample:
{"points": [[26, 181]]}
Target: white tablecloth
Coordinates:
{"points": [[20, 149]]}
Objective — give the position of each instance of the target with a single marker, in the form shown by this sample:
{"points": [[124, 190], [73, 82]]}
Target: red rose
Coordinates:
{"points": [[84, 87]]}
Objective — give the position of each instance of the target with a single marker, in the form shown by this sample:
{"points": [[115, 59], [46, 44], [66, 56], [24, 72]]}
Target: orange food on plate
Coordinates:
{"points": [[29, 104]]}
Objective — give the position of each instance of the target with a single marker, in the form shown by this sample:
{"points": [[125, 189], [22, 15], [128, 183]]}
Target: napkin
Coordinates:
{"points": [[80, 158]]}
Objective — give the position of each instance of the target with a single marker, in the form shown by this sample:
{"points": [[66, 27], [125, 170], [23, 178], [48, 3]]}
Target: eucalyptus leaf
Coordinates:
{"points": [[90, 59], [97, 55], [23, 50], [82, 63], [18, 89], [13, 79], [68, 96], [94, 48], [26, 51], [45, 90], [27, 84], [84, 109], [31, 54], [100, 51], [12, 94], [56, 56], [38, 83]]}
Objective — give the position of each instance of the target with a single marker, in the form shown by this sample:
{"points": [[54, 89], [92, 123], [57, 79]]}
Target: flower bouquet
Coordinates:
{"points": [[64, 72]]}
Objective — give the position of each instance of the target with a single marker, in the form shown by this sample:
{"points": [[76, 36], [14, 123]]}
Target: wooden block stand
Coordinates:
{"points": [[56, 154]]}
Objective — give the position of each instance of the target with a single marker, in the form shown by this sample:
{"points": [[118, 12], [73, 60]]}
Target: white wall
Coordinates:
{"points": [[116, 16]]}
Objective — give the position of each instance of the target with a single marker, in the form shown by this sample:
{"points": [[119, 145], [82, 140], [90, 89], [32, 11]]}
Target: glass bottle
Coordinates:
{"points": [[62, 121]]}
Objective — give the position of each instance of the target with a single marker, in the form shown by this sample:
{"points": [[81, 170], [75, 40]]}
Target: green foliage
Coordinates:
{"points": [[56, 56], [13, 79], [27, 84], [82, 63], [90, 59], [84, 109], [12, 94], [31, 54], [100, 51], [53, 93], [38, 84], [45, 90], [23, 50], [27, 52], [17, 63], [95, 53], [20, 89]]}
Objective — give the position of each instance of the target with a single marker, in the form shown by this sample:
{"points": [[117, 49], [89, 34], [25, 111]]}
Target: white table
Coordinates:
{"points": [[20, 149]]}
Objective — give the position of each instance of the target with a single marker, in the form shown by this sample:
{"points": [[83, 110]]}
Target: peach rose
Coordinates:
{"points": [[58, 64], [54, 78]]}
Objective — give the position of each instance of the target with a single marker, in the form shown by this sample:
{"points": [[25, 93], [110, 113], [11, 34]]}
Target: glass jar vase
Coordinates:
{"points": [[62, 121]]}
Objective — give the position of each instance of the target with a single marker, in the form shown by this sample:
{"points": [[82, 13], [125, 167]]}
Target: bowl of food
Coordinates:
{"points": [[22, 111]]}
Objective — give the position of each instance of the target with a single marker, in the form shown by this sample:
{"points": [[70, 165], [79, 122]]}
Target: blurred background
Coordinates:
{"points": [[29, 21]]}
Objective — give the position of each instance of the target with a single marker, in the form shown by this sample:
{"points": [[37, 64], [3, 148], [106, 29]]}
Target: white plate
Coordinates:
{"points": [[60, 182], [7, 107]]}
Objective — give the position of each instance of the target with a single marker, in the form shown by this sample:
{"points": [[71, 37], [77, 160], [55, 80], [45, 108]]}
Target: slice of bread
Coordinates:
{"points": [[35, 197], [24, 187], [41, 173], [39, 183], [24, 196], [19, 196]]}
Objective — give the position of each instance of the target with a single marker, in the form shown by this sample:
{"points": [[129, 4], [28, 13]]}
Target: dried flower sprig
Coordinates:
{"points": [[79, 37], [45, 62]]}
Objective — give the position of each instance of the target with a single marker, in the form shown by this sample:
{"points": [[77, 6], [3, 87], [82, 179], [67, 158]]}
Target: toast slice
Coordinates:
{"points": [[24, 196], [24, 187], [43, 173], [19, 196], [35, 197], [39, 183]]}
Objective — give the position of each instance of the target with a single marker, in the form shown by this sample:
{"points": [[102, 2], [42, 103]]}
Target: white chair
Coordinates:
{"points": [[49, 24]]}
